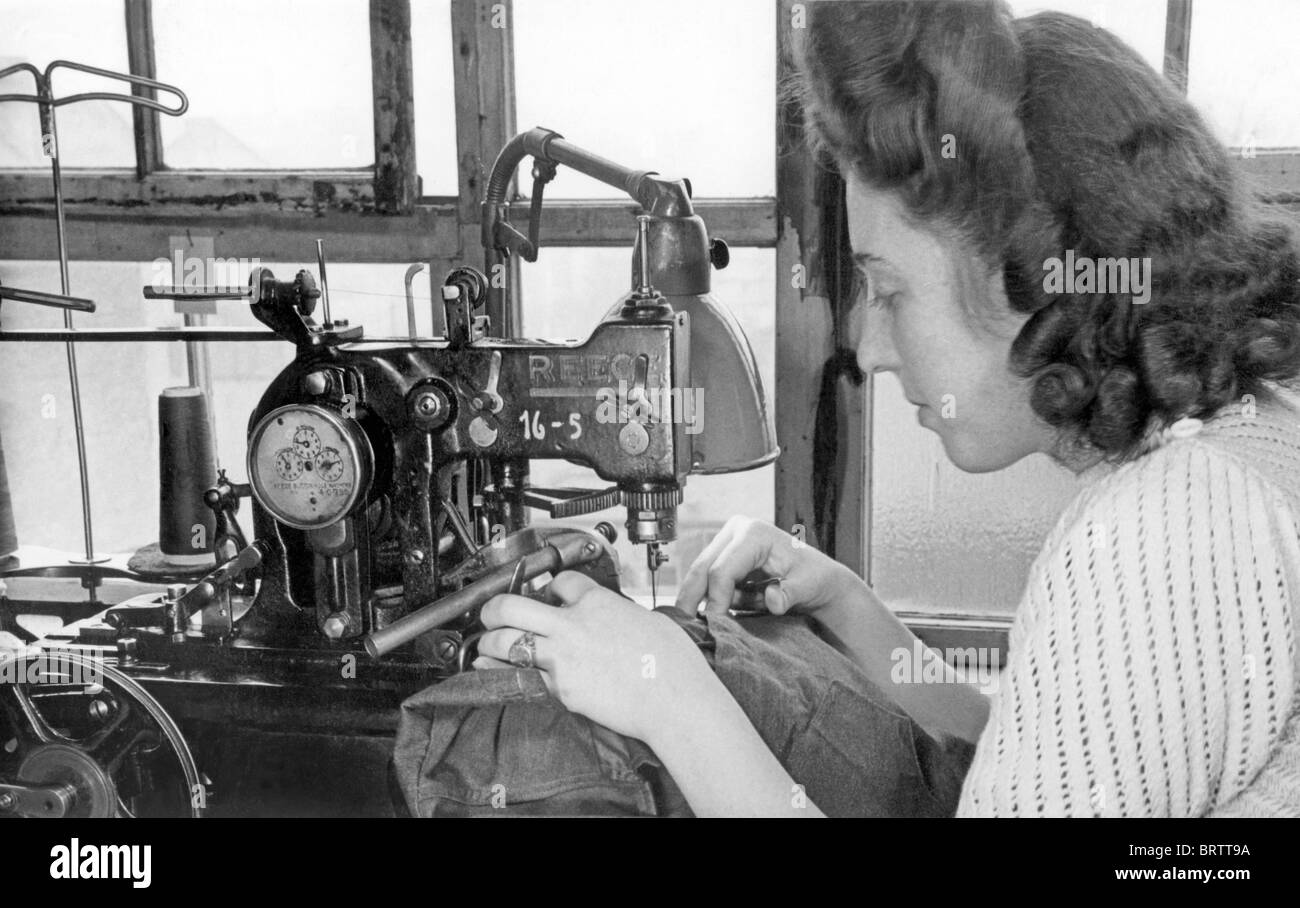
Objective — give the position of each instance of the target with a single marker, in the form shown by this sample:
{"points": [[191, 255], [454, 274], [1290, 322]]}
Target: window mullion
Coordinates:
{"points": [[140, 57]]}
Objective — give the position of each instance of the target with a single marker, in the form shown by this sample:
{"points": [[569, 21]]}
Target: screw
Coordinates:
{"points": [[7, 801], [315, 383], [427, 404], [336, 625], [415, 556], [447, 649], [99, 710]]}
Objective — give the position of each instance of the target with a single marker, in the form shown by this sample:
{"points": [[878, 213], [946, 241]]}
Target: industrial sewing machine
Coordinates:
{"points": [[390, 494]]}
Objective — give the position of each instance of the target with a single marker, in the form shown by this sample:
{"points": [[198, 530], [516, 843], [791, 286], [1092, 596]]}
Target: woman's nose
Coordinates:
{"points": [[875, 343]]}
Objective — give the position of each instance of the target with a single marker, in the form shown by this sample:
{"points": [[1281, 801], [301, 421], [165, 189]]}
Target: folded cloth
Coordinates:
{"points": [[496, 742]]}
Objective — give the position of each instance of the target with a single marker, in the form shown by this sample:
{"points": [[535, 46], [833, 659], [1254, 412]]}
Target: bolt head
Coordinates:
{"points": [[335, 626], [415, 556], [428, 405], [315, 383]]}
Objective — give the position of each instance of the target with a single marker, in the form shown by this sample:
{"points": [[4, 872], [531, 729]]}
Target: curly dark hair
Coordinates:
{"points": [[1065, 140]]}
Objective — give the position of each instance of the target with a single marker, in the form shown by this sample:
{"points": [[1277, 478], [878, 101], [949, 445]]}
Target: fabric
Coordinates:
{"points": [[1153, 661], [495, 742]]}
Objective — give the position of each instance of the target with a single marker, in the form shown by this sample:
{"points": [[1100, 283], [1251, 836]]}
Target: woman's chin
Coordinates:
{"points": [[973, 454]]}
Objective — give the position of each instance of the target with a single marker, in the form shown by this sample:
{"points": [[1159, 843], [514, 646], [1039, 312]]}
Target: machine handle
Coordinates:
{"points": [[57, 300], [172, 292], [562, 552]]}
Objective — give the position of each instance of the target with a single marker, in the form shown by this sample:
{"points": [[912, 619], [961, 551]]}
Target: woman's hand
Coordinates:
{"points": [[810, 580], [602, 655]]}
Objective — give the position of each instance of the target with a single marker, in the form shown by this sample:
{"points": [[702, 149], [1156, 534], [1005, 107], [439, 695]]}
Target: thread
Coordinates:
{"points": [[8, 533], [187, 468]]}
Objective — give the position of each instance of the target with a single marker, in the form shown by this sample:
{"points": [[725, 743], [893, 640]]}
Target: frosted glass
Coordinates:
{"points": [[948, 541], [91, 134], [120, 384], [683, 87], [435, 98], [1243, 70], [272, 83]]}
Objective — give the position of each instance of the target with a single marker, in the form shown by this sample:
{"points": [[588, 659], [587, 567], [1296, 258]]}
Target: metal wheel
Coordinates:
{"points": [[80, 738]]}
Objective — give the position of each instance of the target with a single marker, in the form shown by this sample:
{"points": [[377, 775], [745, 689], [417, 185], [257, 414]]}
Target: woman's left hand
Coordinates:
{"points": [[602, 655]]}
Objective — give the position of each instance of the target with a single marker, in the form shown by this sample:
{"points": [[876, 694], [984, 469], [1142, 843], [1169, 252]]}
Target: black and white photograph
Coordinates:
{"points": [[650, 408]]}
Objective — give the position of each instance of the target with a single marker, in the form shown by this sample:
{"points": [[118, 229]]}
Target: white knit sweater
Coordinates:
{"points": [[1153, 663]]}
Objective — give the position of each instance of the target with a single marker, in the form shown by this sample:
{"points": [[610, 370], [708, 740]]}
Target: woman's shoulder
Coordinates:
{"points": [[1206, 521], [1246, 455]]}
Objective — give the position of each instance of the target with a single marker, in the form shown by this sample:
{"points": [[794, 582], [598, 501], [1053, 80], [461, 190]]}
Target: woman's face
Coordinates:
{"points": [[933, 314]]}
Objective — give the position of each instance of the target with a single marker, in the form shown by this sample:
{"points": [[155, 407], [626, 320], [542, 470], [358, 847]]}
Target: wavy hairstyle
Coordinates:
{"points": [[1065, 140]]}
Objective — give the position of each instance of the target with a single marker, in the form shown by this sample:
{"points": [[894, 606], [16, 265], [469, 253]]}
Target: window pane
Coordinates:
{"points": [[91, 134], [948, 541], [120, 384], [1243, 70], [435, 100], [566, 292], [1141, 23], [682, 87], [272, 83]]}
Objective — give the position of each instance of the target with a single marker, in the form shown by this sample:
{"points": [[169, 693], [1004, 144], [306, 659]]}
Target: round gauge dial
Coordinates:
{"points": [[308, 465], [288, 465], [329, 465], [306, 440]]}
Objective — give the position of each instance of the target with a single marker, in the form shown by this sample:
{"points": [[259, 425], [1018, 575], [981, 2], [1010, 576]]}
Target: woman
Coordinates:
{"points": [[1153, 660]]}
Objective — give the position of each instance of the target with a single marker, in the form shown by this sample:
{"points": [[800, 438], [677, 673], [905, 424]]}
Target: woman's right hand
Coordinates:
{"points": [[810, 580]]}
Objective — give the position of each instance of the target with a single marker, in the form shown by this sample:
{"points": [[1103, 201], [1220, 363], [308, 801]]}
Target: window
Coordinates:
{"points": [[665, 86], [90, 135], [1243, 72], [271, 85]]}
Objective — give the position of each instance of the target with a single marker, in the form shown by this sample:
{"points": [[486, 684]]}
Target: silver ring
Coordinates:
{"points": [[523, 652]]}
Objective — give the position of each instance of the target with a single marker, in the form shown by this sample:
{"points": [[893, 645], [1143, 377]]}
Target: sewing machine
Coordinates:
{"points": [[389, 490]]}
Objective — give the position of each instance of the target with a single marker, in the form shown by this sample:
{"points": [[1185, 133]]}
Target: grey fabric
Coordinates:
{"points": [[495, 742]]}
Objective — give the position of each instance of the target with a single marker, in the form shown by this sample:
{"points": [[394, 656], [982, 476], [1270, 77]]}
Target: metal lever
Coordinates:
{"points": [[56, 300], [564, 551], [411, 272], [565, 503], [172, 292], [324, 284]]}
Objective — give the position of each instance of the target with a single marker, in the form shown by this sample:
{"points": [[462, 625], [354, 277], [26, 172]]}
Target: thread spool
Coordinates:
{"points": [[187, 467], [8, 533]]}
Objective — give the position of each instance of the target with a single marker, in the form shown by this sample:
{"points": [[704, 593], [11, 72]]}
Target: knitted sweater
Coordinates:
{"points": [[1153, 663]]}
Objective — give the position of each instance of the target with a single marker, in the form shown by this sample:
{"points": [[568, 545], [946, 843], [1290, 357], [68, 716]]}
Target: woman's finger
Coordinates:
{"points": [[570, 586], [489, 662], [736, 560], [696, 581], [777, 597], [506, 610], [496, 645]]}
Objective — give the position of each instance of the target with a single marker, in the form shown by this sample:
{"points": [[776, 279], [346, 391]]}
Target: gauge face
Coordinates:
{"points": [[329, 465], [308, 465], [288, 464], [306, 440]]}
